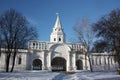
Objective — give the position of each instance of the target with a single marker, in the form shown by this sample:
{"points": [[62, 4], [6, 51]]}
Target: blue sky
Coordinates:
{"points": [[42, 13]]}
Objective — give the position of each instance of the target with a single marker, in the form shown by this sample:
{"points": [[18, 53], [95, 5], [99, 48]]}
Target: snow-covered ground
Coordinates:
{"points": [[47, 75]]}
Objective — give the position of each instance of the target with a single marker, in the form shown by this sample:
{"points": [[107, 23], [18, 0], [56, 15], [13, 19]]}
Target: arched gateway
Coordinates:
{"points": [[59, 57], [37, 64], [58, 64]]}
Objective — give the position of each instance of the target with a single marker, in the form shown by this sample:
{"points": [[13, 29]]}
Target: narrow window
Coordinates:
{"points": [[59, 39], [92, 61], [19, 60], [105, 60], [99, 60], [54, 39], [33, 44], [111, 61], [96, 61]]}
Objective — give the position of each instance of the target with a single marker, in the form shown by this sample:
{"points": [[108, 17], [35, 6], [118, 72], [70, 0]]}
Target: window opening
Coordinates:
{"points": [[54, 39], [59, 39], [19, 60]]}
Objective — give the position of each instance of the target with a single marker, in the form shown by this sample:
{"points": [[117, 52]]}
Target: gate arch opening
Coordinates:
{"points": [[37, 64], [79, 65], [58, 64]]}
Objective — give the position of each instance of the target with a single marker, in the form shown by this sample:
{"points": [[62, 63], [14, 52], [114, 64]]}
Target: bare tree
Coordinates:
{"points": [[108, 28], [85, 36], [101, 46], [15, 31], [0, 45]]}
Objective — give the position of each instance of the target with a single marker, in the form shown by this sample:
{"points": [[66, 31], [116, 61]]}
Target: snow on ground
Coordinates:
{"points": [[47, 75], [86, 75], [28, 75]]}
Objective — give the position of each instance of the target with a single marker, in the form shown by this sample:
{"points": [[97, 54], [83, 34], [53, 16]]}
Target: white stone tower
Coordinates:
{"points": [[57, 34]]}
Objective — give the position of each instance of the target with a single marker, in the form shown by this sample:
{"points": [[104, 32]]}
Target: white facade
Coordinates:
{"points": [[57, 55]]}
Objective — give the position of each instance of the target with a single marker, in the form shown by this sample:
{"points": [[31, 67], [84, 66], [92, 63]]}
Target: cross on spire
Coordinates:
{"points": [[57, 14]]}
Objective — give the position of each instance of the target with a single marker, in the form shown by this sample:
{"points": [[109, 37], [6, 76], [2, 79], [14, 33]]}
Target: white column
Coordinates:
{"points": [[31, 60], [47, 60], [43, 60], [73, 57], [68, 62]]}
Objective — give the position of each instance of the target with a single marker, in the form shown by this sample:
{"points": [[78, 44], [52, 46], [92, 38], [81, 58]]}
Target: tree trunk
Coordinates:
{"points": [[118, 59], [86, 61], [0, 50], [7, 62], [0, 47], [108, 63], [13, 63], [90, 64]]}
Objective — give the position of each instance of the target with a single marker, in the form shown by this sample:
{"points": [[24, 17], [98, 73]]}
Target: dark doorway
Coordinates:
{"points": [[79, 65], [58, 64], [37, 64]]}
